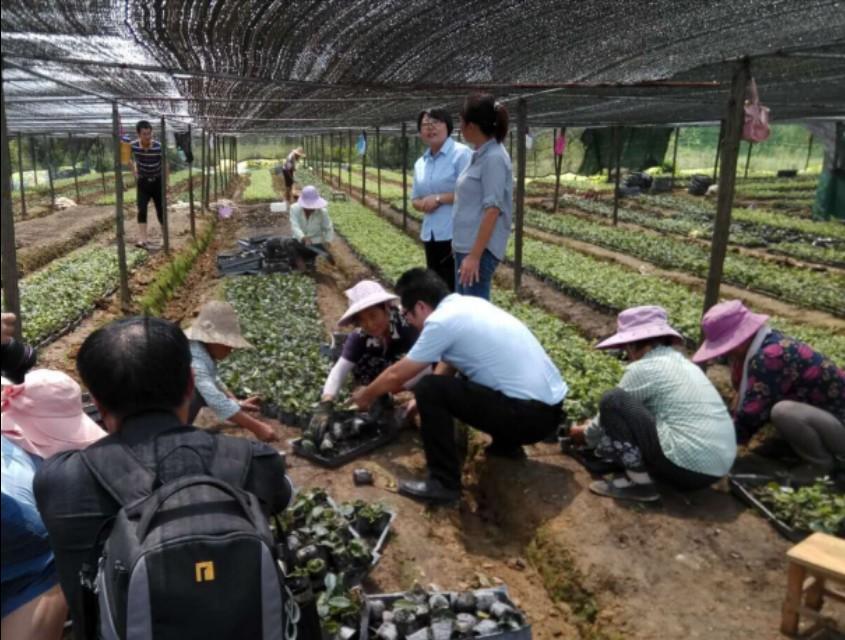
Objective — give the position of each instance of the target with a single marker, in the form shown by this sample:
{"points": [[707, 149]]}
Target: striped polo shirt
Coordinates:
{"points": [[148, 161]]}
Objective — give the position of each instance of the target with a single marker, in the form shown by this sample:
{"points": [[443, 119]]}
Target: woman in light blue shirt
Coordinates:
{"points": [[481, 220], [435, 175]]}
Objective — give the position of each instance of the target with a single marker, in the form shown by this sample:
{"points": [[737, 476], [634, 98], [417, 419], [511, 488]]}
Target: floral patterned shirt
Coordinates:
{"points": [[787, 369]]}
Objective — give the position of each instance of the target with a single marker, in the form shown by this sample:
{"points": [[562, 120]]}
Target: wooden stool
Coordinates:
{"points": [[820, 558]]}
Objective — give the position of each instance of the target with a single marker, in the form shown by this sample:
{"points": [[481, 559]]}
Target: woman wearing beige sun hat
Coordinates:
{"points": [[214, 334]]}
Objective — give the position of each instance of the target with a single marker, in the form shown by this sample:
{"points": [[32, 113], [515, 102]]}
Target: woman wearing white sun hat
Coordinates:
{"points": [[311, 226], [381, 337]]}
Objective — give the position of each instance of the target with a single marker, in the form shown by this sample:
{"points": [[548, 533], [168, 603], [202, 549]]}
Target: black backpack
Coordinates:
{"points": [[190, 554]]}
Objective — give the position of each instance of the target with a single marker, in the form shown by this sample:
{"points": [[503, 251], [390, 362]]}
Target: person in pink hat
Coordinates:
{"points": [[380, 338], [779, 379], [664, 420], [41, 417], [44, 415], [311, 226]]}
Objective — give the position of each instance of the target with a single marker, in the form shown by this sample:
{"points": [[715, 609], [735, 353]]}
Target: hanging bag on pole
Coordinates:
{"points": [[756, 126]]}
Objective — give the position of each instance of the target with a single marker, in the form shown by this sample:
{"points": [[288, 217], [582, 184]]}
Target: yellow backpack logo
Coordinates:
{"points": [[204, 571]]}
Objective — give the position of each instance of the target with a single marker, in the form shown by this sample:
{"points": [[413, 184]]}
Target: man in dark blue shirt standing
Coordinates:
{"points": [[147, 167]]}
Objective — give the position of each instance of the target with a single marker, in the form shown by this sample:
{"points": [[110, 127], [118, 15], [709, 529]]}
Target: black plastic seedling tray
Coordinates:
{"points": [[368, 633], [383, 436], [742, 485]]}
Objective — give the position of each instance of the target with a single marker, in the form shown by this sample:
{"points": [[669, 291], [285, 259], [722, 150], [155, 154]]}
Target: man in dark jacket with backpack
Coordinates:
{"points": [[178, 484]]}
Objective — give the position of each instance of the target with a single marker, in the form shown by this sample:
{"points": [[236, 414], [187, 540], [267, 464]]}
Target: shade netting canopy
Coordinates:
{"points": [[296, 66]]}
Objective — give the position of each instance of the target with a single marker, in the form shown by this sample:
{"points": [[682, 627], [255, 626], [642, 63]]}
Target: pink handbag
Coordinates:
{"points": [[560, 144], [756, 126]]}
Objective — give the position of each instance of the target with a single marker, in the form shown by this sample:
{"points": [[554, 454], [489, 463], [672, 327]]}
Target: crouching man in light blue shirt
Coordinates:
{"points": [[509, 389]]}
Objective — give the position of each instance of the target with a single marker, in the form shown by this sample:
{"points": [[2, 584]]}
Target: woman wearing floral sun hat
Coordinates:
{"points": [[779, 379], [664, 419]]}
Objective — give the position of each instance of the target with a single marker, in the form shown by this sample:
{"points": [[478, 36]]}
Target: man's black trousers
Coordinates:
{"points": [[511, 422]]}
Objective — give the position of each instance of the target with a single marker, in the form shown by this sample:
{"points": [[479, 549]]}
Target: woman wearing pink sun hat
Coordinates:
{"points": [[779, 379], [664, 419], [41, 417]]}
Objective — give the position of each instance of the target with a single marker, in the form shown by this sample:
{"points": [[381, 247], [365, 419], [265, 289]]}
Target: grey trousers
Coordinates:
{"points": [[816, 435]]}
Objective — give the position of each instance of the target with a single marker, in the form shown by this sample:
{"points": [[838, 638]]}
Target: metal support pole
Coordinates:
{"points": [[364, 177], [558, 166], [215, 144], [73, 165], [521, 129], [34, 160], [378, 167], [203, 192], [9, 270], [323, 156], [349, 164], [20, 176], [748, 159], [102, 150], [617, 139], [727, 181], [118, 210], [404, 177], [809, 152], [165, 223], [675, 155], [191, 188], [50, 173], [718, 150]]}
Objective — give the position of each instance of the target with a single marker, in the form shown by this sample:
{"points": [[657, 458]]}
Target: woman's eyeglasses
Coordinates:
{"points": [[430, 124]]}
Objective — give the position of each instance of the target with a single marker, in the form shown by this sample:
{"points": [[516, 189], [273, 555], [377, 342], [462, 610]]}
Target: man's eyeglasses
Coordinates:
{"points": [[407, 312]]}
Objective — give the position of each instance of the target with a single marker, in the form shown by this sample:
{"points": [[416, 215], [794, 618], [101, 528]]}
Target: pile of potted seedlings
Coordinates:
{"points": [[319, 541], [419, 614]]}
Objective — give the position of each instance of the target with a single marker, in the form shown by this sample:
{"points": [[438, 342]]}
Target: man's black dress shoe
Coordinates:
{"points": [[430, 490]]}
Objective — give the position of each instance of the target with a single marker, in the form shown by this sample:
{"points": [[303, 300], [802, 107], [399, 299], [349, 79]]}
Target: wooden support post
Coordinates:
{"points": [[404, 176], [378, 167], [558, 160], [364, 175], [50, 173], [349, 164], [165, 224], [20, 176], [748, 159], [617, 152], [191, 187], [718, 149], [675, 155], [727, 182], [521, 128], [118, 210], [809, 152], [34, 158], [9, 270]]}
